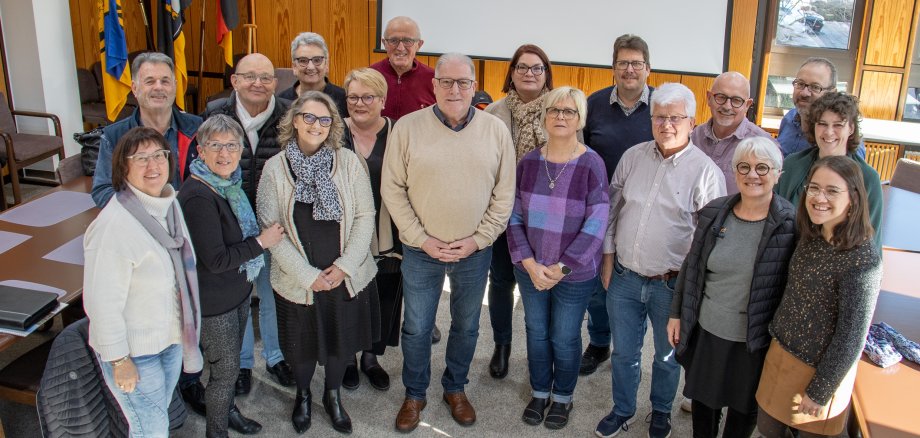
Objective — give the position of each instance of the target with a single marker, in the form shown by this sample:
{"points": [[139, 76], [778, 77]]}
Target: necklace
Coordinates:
{"points": [[552, 181]]}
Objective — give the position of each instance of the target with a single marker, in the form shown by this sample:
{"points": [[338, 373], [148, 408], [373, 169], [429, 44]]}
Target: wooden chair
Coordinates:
{"points": [[23, 150]]}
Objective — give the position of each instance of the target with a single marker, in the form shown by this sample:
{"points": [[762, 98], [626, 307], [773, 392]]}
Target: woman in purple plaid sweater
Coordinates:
{"points": [[555, 237]]}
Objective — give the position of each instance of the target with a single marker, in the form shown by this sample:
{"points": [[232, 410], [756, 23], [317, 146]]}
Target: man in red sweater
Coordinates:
{"points": [[408, 81]]}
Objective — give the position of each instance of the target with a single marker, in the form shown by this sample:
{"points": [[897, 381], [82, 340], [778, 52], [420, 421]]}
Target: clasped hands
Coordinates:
{"points": [[449, 252], [543, 277], [329, 279]]}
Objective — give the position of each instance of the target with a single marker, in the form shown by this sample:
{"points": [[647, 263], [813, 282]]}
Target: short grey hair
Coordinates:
{"points": [[309, 39], [219, 124], [578, 97], [151, 58], [761, 148], [455, 57], [673, 92], [825, 62]]}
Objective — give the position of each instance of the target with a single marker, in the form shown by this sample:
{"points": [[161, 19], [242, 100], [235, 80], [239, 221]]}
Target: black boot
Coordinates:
{"points": [[498, 366], [301, 415], [241, 424], [333, 404]]}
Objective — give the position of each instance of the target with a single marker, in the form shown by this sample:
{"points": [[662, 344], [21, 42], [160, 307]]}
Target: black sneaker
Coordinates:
{"points": [[611, 425], [659, 424], [592, 357], [282, 373], [535, 411], [558, 415]]}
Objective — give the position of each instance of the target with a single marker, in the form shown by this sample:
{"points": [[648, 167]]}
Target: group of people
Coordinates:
{"points": [[346, 208]]}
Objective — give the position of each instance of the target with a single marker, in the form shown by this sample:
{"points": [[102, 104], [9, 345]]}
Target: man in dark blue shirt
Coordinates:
{"points": [[618, 118]]}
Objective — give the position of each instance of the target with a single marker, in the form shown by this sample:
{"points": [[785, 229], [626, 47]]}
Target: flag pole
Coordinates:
{"points": [[150, 45], [201, 52]]}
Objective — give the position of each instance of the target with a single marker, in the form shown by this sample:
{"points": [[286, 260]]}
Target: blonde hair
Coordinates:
{"points": [[578, 97], [287, 131], [369, 77]]}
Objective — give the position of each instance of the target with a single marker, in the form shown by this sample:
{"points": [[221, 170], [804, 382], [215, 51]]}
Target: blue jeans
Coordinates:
{"points": [[268, 323], [423, 282], [630, 300], [553, 323], [598, 321], [147, 407], [501, 291]]}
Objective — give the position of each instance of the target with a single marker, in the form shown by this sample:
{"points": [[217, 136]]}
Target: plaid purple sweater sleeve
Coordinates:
{"points": [[564, 224]]}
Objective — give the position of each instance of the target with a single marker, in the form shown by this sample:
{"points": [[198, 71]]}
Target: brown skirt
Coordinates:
{"points": [[782, 386]]}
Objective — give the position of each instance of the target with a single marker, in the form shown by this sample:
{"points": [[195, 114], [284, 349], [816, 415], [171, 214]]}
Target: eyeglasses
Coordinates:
{"points": [[214, 146], [464, 84], [310, 118], [736, 101], [673, 120], [623, 65], [800, 85], [830, 193], [522, 69], [158, 157], [745, 168], [566, 113], [395, 42], [305, 62], [367, 99], [264, 79]]}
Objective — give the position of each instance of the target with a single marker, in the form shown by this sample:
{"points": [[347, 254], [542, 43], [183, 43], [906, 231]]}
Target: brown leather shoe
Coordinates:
{"points": [[409, 415], [460, 408]]}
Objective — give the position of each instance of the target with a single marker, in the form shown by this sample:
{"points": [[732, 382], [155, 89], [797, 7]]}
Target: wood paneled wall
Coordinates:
{"points": [[350, 29], [883, 64]]}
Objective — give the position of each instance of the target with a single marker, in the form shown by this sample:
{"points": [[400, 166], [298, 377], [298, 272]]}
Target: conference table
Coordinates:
{"points": [[886, 401], [28, 262]]}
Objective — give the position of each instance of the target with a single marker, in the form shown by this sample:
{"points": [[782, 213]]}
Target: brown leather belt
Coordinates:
{"points": [[667, 276]]}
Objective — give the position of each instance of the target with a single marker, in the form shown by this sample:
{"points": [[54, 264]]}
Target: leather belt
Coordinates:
{"points": [[667, 276]]}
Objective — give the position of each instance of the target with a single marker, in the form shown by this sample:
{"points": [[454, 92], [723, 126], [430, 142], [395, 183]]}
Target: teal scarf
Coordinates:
{"points": [[232, 190]]}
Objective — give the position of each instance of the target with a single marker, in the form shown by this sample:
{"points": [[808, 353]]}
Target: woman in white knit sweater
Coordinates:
{"points": [[322, 271], [140, 285]]}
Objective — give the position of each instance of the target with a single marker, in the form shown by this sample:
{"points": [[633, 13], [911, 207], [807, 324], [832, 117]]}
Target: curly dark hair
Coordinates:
{"points": [[843, 104]]}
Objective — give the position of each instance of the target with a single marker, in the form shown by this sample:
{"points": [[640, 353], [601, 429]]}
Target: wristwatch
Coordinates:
{"points": [[565, 269]]}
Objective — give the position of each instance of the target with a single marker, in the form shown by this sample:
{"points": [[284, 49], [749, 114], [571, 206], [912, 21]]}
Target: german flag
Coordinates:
{"points": [[171, 41], [228, 17], [113, 53]]}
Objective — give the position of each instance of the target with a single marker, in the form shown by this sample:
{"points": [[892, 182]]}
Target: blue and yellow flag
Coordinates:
{"points": [[113, 52], [171, 41]]}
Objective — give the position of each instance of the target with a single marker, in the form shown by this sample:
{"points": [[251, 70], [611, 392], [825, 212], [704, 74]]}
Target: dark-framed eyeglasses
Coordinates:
{"points": [[367, 99], [447, 84], [537, 70], [830, 193], [673, 120], [232, 147], [800, 85], [395, 42], [249, 78], [563, 113], [761, 169], [158, 157], [305, 61], [310, 118], [736, 101], [623, 65]]}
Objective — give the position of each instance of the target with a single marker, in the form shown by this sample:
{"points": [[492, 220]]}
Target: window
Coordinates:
{"points": [[912, 100], [806, 28]]}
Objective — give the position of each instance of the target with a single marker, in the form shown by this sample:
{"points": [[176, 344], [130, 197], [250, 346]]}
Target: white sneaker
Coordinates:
{"points": [[686, 405]]}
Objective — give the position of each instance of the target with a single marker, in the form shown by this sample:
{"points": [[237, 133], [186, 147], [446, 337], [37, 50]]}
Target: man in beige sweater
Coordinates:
{"points": [[448, 182]]}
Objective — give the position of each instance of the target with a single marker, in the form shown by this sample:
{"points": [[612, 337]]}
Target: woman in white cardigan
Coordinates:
{"points": [[322, 271], [140, 285]]}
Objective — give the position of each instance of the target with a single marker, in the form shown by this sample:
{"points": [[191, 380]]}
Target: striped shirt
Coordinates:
{"points": [[563, 224]]}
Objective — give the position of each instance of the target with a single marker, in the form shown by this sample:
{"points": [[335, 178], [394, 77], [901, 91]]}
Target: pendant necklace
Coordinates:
{"points": [[552, 181]]}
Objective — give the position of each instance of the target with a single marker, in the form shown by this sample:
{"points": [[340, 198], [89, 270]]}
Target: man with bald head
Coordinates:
{"points": [[254, 106], [408, 81], [729, 99], [448, 183]]}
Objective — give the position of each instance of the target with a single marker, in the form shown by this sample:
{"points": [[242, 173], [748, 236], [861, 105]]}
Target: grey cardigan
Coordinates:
{"points": [[292, 275]]}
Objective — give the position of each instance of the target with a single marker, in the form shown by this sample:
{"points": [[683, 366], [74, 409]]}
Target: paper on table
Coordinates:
{"points": [[34, 286], [70, 252], [9, 240], [49, 210]]}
